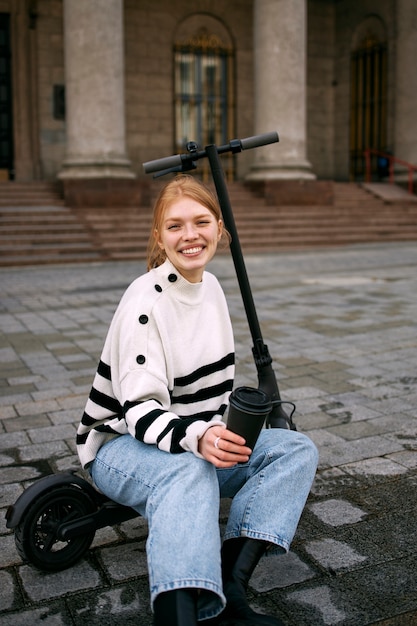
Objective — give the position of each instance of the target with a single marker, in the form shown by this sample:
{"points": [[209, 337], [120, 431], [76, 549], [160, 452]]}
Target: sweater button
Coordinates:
{"points": [[172, 278], [140, 359], [158, 288], [143, 319]]}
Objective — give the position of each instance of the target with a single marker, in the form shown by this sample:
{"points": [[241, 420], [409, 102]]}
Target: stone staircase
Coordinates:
{"points": [[355, 216], [36, 228]]}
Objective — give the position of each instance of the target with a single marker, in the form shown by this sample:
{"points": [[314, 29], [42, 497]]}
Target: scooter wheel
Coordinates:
{"points": [[36, 536]]}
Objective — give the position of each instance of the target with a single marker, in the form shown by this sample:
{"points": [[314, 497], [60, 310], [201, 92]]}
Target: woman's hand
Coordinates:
{"points": [[223, 447]]}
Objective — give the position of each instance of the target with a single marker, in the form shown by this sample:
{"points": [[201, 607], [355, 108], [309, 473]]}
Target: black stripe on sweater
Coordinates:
{"points": [[204, 394], [105, 428], [130, 405], [178, 433], [206, 416], [87, 420], [104, 370], [144, 422], [105, 401], [81, 439], [170, 426], [205, 370]]}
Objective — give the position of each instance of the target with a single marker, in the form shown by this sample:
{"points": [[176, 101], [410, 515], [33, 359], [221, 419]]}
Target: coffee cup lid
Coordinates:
{"points": [[251, 399]]}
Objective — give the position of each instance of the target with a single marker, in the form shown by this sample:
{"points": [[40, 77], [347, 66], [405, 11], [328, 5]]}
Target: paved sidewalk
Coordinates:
{"points": [[341, 325]]}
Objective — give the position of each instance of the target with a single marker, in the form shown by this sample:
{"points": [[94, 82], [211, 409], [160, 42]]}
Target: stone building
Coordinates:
{"points": [[90, 89]]}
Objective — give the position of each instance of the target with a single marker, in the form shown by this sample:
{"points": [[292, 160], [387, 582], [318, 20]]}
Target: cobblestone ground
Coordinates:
{"points": [[341, 327]]}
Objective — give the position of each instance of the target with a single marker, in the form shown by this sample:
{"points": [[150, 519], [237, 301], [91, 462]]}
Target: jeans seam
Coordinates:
{"points": [[248, 508]]}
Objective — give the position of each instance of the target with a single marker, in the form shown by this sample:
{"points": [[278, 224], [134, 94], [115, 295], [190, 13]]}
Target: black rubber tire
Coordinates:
{"points": [[35, 536]]}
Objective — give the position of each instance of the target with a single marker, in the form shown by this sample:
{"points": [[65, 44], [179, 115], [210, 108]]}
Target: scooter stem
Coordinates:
{"points": [[267, 382]]}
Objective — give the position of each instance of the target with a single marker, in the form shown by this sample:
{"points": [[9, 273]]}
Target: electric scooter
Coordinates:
{"points": [[55, 519]]}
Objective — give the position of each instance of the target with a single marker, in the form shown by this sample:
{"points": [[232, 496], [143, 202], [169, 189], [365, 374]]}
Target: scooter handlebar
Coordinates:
{"points": [[177, 160], [259, 140], [162, 164]]}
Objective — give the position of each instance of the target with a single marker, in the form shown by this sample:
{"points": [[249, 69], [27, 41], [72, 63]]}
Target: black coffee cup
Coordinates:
{"points": [[248, 410]]}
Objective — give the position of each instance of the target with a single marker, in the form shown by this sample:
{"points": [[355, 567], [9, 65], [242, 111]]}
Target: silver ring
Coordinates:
{"points": [[216, 442]]}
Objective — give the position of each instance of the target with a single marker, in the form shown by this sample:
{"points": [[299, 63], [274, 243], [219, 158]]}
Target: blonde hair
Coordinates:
{"points": [[181, 186]]}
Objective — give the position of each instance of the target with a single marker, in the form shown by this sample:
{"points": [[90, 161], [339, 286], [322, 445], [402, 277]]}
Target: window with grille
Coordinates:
{"points": [[204, 94]]}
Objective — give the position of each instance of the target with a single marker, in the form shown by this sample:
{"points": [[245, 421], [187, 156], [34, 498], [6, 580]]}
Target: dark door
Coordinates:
{"points": [[368, 114], [6, 121]]}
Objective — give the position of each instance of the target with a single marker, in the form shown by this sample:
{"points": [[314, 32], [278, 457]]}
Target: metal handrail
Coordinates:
{"points": [[391, 160]]}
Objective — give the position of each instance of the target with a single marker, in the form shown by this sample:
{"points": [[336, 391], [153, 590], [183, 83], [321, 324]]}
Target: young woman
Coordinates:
{"points": [[153, 436]]}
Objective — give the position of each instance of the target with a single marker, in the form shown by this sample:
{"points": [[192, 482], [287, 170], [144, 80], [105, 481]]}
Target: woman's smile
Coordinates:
{"points": [[192, 251]]}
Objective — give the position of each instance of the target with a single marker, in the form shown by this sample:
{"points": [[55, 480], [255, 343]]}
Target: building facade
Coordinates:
{"points": [[91, 89]]}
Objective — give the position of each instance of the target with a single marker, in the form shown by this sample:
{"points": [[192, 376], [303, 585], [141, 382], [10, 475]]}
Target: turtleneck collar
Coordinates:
{"points": [[170, 278]]}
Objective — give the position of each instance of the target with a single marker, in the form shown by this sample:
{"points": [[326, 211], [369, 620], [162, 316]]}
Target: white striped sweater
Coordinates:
{"points": [[167, 366]]}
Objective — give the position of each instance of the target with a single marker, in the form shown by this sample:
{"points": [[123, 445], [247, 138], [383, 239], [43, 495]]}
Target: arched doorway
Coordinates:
{"points": [[204, 97], [368, 101]]}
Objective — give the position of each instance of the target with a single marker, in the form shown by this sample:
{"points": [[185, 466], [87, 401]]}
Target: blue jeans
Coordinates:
{"points": [[179, 495]]}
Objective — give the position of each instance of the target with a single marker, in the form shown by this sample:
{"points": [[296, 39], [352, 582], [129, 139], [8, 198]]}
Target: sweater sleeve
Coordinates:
{"points": [[149, 418]]}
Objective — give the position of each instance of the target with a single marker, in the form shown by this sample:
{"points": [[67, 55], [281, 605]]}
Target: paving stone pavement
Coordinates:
{"points": [[341, 327]]}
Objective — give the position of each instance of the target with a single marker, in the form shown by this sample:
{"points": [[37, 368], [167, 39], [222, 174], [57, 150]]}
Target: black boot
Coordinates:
{"points": [[176, 608], [239, 558]]}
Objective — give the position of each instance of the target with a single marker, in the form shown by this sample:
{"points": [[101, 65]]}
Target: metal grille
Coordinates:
{"points": [[204, 103], [368, 103]]}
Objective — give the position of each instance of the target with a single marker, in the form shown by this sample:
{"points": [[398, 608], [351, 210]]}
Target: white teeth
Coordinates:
{"points": [[192, 250]]}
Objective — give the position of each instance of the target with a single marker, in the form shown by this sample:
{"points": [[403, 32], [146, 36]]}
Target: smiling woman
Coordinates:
{"points": [[153, 436]]}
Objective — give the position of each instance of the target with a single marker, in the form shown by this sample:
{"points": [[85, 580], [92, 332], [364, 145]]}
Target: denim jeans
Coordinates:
{"points": [[179, 495]]}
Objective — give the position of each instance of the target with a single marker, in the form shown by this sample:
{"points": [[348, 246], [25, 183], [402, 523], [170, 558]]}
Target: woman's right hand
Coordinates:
{"points": [[223, 447]]}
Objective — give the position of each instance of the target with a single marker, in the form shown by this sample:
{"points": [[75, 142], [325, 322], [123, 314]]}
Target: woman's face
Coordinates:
{"points": [[189, 235]]}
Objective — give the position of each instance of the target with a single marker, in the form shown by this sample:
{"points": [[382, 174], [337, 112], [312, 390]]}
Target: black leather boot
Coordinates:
{"points": [[176, 608], [239, 558]]}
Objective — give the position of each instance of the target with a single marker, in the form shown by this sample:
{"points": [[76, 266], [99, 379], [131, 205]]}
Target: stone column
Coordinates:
{"points": [[280, 89], [95, 112], [405, 142]]}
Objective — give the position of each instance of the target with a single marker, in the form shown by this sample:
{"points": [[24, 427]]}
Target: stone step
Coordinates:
{"points": [[51, 257], [34, 193], [390, 194]]}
